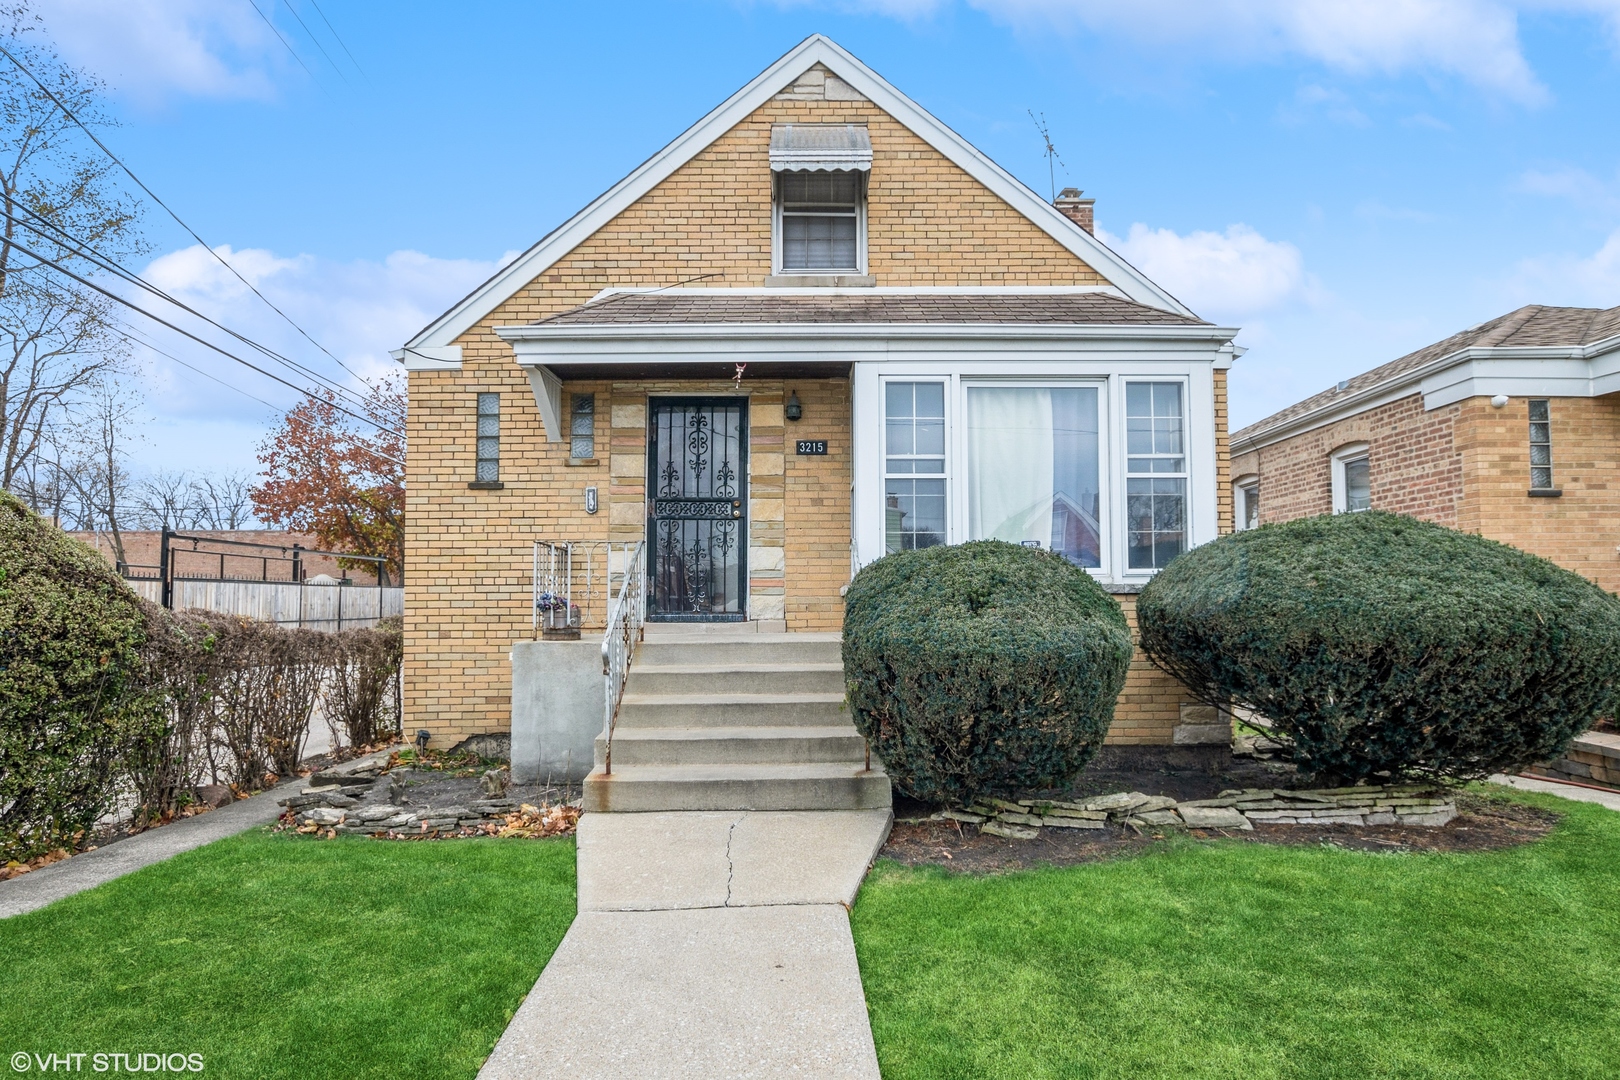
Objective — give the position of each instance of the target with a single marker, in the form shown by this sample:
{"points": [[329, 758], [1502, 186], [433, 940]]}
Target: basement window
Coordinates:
{"points": [[1541, 477], [489, 438]]}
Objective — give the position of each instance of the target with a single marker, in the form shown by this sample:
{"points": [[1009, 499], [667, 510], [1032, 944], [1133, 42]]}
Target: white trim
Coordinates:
{"points": [[1240, 496], [1337, 461], [429, 357], [873, 290], [1478, 371], [548, 396], [813, 50], [778, 270]]}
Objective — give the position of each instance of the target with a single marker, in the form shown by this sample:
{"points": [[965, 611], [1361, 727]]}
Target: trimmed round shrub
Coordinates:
{"points": [[1378, 644], [981, 669], [69, 634]]}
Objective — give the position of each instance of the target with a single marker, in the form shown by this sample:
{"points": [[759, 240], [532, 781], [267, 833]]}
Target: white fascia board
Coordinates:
{"points": [[1332, 413], [813, 50], [429, 357]]}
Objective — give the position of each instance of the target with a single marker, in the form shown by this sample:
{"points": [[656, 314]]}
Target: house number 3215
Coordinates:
{"points": [[812, 446]]}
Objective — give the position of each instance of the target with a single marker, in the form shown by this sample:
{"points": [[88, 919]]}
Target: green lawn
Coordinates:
{"points": [[280, 957], [1240, 960]]}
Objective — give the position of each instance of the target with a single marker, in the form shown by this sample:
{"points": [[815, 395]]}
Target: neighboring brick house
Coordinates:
{"points": [[880, 338], [1510, 429]]}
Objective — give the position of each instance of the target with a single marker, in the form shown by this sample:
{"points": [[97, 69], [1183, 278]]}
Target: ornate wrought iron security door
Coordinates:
{"points": [[697, 536]]}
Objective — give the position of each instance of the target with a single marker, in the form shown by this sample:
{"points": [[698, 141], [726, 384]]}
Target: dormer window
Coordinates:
{"points": [[819, 213]]}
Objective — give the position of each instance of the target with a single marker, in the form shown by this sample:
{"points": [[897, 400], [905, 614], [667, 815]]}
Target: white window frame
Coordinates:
{"points": [[962, 518], [1338, 459], [1122, 526], [952, 496], [1240, 493], [776, 233]]}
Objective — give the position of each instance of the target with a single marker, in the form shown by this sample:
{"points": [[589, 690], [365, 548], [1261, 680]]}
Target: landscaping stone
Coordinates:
{"points": [[1156, 817], [1019, 819], [1011, 832], [1121, 801], [964, 816], [321, 815], [1212, 817], [1052, 821]]}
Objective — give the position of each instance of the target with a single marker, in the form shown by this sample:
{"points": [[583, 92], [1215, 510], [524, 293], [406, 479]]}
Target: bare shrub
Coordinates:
{"points": [[360, 696], [180, 665]]}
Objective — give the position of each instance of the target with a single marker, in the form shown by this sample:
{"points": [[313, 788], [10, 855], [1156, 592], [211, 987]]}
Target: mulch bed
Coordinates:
{"points": [[1482, 824]]}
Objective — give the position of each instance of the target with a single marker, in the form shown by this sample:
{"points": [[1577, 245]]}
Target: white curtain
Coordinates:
{"points": [[1010, 464]]}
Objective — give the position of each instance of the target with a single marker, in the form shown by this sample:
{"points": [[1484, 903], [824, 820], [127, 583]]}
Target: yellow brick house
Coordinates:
{"points": [[816, 327]]}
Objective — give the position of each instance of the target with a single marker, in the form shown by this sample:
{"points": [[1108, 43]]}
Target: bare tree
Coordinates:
{"points": [[223, 500], [166, 500], [97, 473], [57, 192]]}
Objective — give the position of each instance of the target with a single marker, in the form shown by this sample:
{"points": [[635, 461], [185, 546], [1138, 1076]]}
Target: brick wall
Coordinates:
{"points": [[1149, 708], [1415, 464], [1467, 465]]}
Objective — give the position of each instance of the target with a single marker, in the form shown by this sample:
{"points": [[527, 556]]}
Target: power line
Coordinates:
{"points": [[153, 196], [339, 38], [284, 41], [108, 264], [130, 334], [109, 294], [288, 5]]}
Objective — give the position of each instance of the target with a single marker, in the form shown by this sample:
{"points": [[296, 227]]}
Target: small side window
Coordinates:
{"points": [[582, 426], [489, 438], [1541, 477], [1246, 495], [1352, 479]]}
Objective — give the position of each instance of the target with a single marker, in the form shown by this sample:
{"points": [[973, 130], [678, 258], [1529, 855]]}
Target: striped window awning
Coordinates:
{"points": [[820, 148]]}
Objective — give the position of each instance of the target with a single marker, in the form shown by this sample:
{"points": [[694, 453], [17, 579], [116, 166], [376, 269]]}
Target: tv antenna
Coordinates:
{"points": [[1052, 158]]}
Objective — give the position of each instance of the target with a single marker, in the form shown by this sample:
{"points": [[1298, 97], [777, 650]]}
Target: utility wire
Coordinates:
{"points": [[131, 335], [109, 294], [284, 41], [339, 38], [106, 263], [153, 196], [288, 5]]}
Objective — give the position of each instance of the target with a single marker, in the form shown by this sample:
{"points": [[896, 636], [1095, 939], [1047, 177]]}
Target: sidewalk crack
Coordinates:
{"points": [[730, 867]]}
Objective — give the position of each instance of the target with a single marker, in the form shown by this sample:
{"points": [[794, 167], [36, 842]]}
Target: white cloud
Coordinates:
{"points": [[152, 49], [1230, 275], [359, 310], [1592, 280], [1568, 182], [1473, 40]]}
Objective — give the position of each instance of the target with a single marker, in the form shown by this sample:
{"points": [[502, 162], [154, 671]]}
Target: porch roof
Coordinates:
{"points": [[679, 307]]}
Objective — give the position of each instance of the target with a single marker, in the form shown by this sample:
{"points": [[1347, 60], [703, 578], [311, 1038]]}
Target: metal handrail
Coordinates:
{"points": [[626, 617], [564, 581]]}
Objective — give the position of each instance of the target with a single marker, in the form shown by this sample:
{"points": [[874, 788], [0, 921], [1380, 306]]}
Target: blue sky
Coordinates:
{"points": [[1345, 181]]}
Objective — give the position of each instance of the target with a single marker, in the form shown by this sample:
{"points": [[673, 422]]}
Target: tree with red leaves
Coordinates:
{"points": [[329, 474]]}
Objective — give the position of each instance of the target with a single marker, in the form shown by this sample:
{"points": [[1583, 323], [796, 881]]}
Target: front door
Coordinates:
{"points": [[697, 536]]}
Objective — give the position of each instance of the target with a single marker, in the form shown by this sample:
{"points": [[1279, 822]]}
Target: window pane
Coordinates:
{"points": [[915, 514], [1540, 478], [820, 189], [1156, 521], [1249, 512], [930, 399], [489, 471], [930, 436], [1540, 433], [900, 439], [582, 447], [1538, 410], [489, 404], [1540, 454], [1033, 474], [489, 448], [818, 242], [1357, 485], [489, 425]]}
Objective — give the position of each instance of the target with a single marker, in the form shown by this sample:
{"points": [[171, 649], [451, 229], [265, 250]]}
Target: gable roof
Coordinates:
{"points": [[738, 307], [1533, 326], [816, 49]]}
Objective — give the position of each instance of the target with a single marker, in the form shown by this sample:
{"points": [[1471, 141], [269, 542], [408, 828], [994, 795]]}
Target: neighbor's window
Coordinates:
{"points": [[1033, 471], [914, 465], [1155, 474], [819, 221], [1541, 478], [1246, 494], [489, 438], [582, 426], [1352, 479]]}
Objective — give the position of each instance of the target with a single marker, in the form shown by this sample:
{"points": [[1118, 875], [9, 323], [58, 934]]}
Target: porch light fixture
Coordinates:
{"points": [[793, 410]]}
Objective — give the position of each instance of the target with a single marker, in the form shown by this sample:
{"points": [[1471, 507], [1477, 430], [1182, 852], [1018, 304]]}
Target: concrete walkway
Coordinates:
{"points": [[91, 868], [708, 944], [1611, 799]]}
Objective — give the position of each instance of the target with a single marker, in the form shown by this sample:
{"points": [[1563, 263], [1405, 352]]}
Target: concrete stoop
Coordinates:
{"points": [[740, 722]]}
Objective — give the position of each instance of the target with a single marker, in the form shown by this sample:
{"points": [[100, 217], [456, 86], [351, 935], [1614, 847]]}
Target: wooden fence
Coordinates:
{"points": [[315, 607]]}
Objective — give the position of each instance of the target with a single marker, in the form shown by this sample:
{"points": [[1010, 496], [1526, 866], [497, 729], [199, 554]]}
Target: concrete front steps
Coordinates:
{"points": [[725, 720]]}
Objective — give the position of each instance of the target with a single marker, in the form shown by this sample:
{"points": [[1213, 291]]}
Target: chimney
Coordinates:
{"points": [[1078, 210]]}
